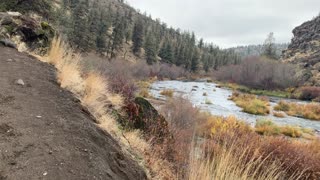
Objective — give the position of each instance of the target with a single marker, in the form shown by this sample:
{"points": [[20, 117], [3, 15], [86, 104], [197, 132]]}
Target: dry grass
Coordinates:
{"points": [[279, 114], [69, 75], [91, 89], [167, 92], [229, 149], [94, 92], [267, 127], [230, 164], [144, 88], [251, 104], [58, 52], [144, 93], [160, 168], [309, 111], [143, 84]]}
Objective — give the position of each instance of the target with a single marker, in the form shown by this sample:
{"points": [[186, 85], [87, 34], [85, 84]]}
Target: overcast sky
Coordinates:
{"points": [[230, 23]]}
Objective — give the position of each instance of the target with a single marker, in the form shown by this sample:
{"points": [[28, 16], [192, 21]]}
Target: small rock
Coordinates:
{"points": [[14, 13], [8, 43], [7, 20], [9, 60], [45, 173], [85, 150], [20, 82], [50, 152], [38, 117]]}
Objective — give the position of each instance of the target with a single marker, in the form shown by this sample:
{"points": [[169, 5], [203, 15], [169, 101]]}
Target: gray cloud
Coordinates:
{"points": [[232, 22]]}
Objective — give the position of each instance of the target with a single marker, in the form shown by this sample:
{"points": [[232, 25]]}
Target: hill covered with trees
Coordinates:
{"points": [[268, 48], [114, 29]]}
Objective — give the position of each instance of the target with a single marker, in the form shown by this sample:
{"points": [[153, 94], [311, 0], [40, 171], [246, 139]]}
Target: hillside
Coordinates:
{"points": [[115, 30], [44, 132], [257, 50], [304, 50]]}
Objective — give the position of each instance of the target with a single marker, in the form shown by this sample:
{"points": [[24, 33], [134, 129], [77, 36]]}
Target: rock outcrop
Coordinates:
{"points": [[24, 32], [304, 50], [143, 116]]}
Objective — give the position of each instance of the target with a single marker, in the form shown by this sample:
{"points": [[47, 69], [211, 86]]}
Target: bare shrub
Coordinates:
{"points": [[182, 117], [260, 73], [170, 71], [309, 93]]}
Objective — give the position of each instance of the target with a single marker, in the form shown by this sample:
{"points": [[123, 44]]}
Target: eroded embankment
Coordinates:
{"points": [[44, 132]]}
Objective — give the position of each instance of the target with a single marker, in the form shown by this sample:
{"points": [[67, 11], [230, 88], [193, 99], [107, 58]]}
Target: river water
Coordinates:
{"points": [[221, 105]]}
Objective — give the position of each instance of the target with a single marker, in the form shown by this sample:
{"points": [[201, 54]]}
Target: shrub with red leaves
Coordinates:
{"points": [[309, 93]]}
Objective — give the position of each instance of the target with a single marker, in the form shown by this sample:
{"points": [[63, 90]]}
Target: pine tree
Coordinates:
{"points": [[79, 35], [150, 49], [117, 35], [103, 25], [93, 21], [137, 37], [166, 53], [269, 49], [195, 60], [201, 43]]}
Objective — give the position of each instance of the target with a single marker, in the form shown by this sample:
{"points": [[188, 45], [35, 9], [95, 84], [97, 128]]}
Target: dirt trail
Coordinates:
{"points": [[44, 134]]}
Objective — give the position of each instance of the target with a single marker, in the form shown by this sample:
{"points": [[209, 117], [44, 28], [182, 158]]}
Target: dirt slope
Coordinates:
{"points": [[44, 134]]}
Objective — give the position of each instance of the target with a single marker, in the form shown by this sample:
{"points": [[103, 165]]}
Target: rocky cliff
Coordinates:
{"points": [[304, 50], [24, 32]]}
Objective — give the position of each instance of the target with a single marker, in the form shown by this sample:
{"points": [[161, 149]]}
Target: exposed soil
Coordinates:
{"points": [[44, 133]]}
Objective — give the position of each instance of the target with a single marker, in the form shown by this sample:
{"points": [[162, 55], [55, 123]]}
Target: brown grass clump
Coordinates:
{"points": [[57, 52], [251, 104], [267, 127], [229, 163], [279, 114], [231, 149], [144, 93], [69, 75], [309, 111], [167, 92]]}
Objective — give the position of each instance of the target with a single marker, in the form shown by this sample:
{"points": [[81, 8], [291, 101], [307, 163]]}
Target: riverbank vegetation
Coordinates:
{"points": [[104, 92], [287, 93], [251, 103], [307, 93], [167, 92], [267, 127], [261, 76], [217, 146], [279, 114], [270, 157], [309, 110]]}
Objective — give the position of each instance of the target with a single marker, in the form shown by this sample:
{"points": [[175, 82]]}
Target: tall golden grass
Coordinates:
{"points": [[230, 163], [92, 89], [310, 110], [230, 149], [251, 103]]}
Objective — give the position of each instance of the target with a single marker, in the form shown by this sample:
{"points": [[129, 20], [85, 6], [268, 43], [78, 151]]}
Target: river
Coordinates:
{"points": [[220, 103]]}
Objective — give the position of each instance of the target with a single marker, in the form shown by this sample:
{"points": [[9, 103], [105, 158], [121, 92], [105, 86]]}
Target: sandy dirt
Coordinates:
{"points": [[45, 134]]}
